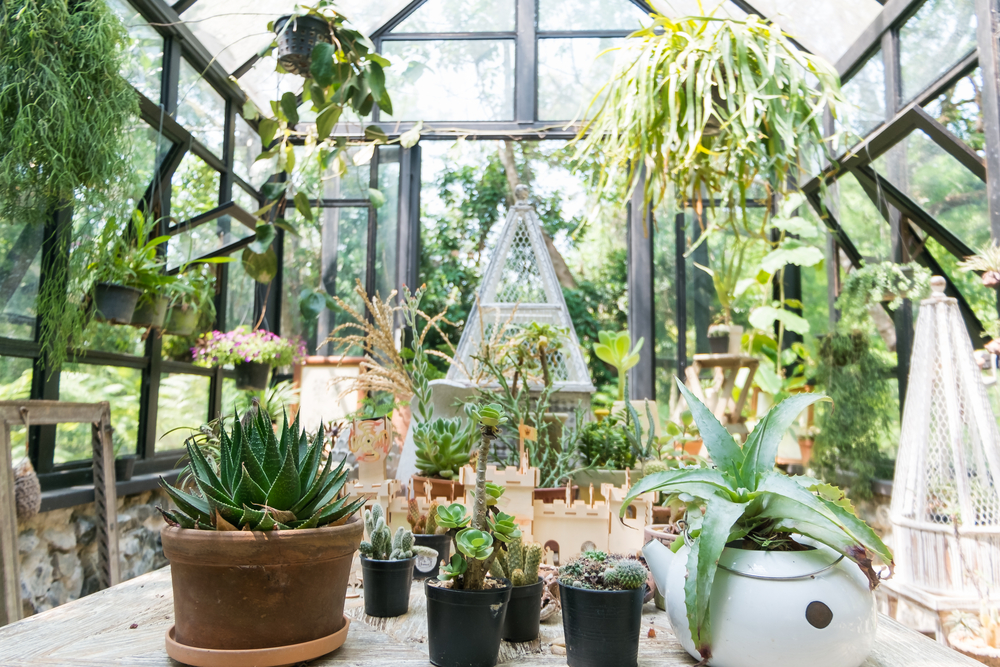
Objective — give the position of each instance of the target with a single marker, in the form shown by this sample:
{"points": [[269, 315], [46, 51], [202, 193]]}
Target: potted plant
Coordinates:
{"points": [[806, 441], [260, 551], [442, 446], [148, 273], [740, 547], [616, 349], [519, 565], [192, 300], [387, 565], [296, 37], [121, 269], [718, 339], [252, 353], [427, 533], [601, 596], [465, 609], [605, 452]]}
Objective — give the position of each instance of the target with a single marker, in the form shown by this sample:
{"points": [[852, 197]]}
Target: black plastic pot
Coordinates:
{"points": [[428, 568], [464, 627], [718, 344], [601, 627], [181, 321], [296, 43], [124, 465], [150, 313], [115, 303], [387, 586], [252, 375], [523, 612]]}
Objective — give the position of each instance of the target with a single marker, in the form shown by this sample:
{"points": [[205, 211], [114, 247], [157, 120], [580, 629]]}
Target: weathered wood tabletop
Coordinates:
{"points": [[125, 625]]}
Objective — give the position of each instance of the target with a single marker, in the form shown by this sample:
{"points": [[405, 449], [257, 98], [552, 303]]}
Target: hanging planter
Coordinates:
{"points": [[150, 312], [181, 320], [115, 303], [297, 36], [252, 376], [252, 354]]}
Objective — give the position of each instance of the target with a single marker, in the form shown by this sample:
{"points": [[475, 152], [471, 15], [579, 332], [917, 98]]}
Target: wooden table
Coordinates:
{"points": [[125, 625], [726, 369]]}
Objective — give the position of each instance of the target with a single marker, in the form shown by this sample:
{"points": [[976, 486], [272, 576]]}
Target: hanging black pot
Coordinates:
{"points": [[523, 613], [387, 586], [464, 627], [252, 375], [601, 627], [296, 43], [425, 567], [150, 313], [115, 303], [181, 321], [124, 465]]}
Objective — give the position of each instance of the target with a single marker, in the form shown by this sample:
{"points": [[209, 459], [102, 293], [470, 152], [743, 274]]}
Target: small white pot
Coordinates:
{"points": [[826, 620]]}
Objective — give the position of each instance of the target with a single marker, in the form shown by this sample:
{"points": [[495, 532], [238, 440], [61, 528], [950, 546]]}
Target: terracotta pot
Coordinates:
{"points": [[806, 449], [556, 493], [692, 447], [440, 488], [251, 590]]}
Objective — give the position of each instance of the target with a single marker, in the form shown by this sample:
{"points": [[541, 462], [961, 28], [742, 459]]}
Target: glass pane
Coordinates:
{"points": [[247, 148], [85, 383], [665, 305], [862, 222], [15, 384], [982, 300], [183, 404], [247, 201], [200, 108], [348, 228], [941, 33], [352, 185], [960, 110], [20, 264], [150, 146], [239, 304], [940, 185], [203, 239], [569, 73], [302, 270], [451, 80], [865, 94], [233, 31], [591, 15], [107, 337], [263, 84], [387, 241], [825, 28], [144, 58], [461, 16], [194, 189]]}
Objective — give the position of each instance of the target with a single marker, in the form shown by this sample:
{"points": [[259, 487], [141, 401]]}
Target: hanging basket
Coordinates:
{"points": [[297, 41], [181, 321], [151, 313], [115, 303], [252, 376]]}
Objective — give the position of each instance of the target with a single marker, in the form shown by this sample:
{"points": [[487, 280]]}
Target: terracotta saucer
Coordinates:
{"points": [[277, 656]]}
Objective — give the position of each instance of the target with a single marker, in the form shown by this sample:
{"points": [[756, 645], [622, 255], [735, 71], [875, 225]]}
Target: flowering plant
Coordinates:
{"points": [[240, 346]]}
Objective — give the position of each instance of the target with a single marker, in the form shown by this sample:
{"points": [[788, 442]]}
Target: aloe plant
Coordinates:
{"points": [[262, 482], [476, 538], [747, 500], [616, 349]]}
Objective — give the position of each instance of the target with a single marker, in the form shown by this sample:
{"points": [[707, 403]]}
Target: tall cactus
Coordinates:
{"points": [[520, 563]]}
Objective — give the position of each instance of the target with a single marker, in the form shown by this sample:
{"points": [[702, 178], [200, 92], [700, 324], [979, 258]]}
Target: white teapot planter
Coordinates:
{"points": [[779, 609]]}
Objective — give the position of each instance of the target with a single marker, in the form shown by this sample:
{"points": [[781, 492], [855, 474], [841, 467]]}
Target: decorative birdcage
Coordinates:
{"points": [[946, 501], [520, 287]]}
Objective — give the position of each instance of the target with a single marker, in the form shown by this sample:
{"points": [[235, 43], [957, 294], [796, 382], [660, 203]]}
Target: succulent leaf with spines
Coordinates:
{"points": [[519, 563], [383, 545], [257, 481], [597, 570]]}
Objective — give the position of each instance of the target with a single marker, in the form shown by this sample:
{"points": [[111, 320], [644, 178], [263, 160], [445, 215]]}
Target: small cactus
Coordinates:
{"points": [[515, 555], [626, 574], [430, 527], [532, 559], [383, 545], [597, 570], [519, 562], [422, 524], [517, 578]]}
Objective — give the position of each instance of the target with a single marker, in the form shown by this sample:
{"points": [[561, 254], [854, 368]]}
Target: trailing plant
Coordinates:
{"points": [[878, 282], [216, 349], [443, 446], [853, 434], [603, 445], [519, 563], [423, 524], [262, 482], [600, 571], [383, 545], [475, 537], [749, 504], [616, 349]]}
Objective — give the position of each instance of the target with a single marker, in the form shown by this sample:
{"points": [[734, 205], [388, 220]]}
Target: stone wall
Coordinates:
{"points": [[58, 549]]}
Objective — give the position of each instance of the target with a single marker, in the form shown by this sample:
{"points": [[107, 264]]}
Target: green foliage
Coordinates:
{"points": [[452, 516], [747, 501], [643, 448], [195, 288], [603, 445], [519, 563], [853, 430], [616, 349], [127, 254], [472, 543], [262, 482], [596, 570], [875, 282], [442, 446]]}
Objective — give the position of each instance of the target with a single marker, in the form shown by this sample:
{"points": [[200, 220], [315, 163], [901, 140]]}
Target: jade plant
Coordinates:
{"points": [[519, 563], [616, 349], [383, 545], [476, 537], [600, 571], [442, 447], [258, 481], [749, 504]]}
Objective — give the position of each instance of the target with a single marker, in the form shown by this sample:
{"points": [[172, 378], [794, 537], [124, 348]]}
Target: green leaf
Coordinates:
{"points": [[290, 107], [327, 120], [764, 318], [248, 492], [376, 134], [761, 446], [310, 463], [284, 493], [273, 461], [721, 446], [376, 81], [202, 468], [195, 507], [800, 256], [281, 223], [410, 138], [250, 110], [701, 483], [272, 192], [260, 267], [311, 304], [302, 205], [376, 197], [265, 236], [321, 67], [796, 225], [267, 128]]}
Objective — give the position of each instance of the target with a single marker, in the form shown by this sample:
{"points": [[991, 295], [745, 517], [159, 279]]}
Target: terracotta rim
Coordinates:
{"points": [[261, 657]]}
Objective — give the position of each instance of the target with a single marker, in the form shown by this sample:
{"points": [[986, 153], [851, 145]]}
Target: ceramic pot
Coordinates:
{"points": [[523, 613], [181, 321], [115, 303], [295, 45], [229, 585], [657, 532], [440, 488], [601, 627], [387, 586], [824, 617], [252, 375], [464, 627], [425, 567], [150, 313]]}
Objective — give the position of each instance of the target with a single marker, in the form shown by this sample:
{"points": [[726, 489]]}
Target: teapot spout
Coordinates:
{"points": [[658, 558]]}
